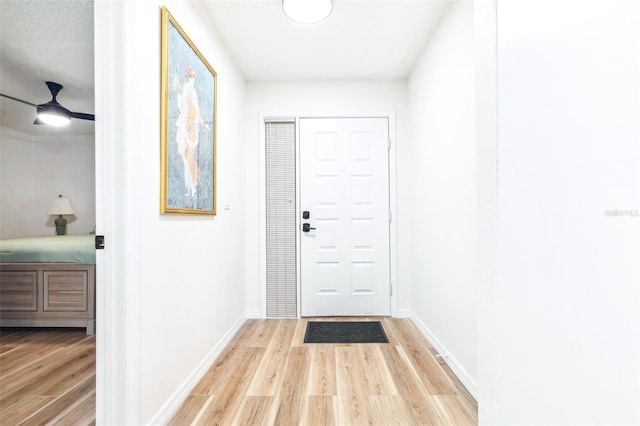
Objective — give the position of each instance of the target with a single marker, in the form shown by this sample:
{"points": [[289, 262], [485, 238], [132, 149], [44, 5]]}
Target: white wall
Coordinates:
{"points": [[443, 191], [319, 97], [34, 169], [569, 150], [487, 220], [173, 285]]}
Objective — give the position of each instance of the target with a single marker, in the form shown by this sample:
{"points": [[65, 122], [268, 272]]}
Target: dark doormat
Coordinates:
{"points": [[345, 332]]}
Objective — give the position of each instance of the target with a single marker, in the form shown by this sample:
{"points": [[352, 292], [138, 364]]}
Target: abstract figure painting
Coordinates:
{"points": [[188, 120]]}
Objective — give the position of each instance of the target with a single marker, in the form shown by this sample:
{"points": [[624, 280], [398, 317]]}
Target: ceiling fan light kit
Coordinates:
{"points": [[307, 11], [54, 114]]}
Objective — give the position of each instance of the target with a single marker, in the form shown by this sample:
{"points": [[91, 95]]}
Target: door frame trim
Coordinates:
{"points": [[393, 227]]}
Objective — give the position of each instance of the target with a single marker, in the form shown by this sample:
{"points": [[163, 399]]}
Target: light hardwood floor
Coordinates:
{"points": [[47, 376], [268, 376]]}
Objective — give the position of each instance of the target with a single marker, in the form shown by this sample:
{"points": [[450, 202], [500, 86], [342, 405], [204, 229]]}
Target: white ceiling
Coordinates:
{"points": [[52, 40], [360, 40]]}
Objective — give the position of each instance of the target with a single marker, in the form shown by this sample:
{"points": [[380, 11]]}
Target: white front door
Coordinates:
{"points": [[344, 187]]}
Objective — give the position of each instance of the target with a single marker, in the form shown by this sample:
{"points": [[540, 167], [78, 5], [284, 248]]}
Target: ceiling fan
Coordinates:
{"points": [[52, 112]]}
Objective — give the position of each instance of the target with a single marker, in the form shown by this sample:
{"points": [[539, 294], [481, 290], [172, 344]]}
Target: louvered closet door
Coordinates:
{"points": [[281, 218]]}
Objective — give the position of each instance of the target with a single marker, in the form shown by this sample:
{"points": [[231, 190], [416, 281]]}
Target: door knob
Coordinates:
{"points": [[306, 227]]}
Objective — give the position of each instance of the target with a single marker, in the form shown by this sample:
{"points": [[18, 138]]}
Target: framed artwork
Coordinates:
{"points": [[188, 125]]}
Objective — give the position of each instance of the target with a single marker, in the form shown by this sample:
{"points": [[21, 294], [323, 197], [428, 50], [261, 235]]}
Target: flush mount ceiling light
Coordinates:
{"points": [[307, 11]]}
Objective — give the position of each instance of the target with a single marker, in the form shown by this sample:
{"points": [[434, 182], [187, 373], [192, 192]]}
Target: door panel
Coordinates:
{"points": [[344, 184]]}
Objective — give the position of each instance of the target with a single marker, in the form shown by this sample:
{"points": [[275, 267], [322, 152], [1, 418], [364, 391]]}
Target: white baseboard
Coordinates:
{"points": [[467, 381], [405, 313], [175, 401], [253, 314]]}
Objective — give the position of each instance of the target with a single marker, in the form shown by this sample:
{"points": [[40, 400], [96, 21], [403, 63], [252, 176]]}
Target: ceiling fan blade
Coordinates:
{"points": [[18, 100], [39, 122], [83, 116]]}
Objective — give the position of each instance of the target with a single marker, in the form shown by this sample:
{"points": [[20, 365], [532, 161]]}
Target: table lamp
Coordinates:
{"points": [[60, 206]]}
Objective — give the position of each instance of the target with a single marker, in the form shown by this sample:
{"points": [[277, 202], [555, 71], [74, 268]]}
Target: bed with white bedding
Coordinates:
{"points": [[48, 282]]}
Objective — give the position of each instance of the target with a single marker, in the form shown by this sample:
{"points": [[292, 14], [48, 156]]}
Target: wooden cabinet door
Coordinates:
{"points": [[66, 291], [19, 291]]}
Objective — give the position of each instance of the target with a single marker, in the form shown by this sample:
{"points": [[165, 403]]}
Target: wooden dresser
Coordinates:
{"points": [[47, 295]]}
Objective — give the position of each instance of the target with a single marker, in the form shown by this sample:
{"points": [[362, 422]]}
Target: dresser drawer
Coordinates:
{"points": [[66, 291], [19, 291]]}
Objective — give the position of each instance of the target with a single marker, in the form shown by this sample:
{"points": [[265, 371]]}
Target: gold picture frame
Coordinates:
{"points": [[188, 124]]}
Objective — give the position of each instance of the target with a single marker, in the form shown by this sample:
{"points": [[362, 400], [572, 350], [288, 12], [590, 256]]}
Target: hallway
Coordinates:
{"points": [[268, 376]]}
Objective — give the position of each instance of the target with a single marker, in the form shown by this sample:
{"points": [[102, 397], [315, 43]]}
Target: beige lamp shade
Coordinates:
{"points": [[60, 206]]}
